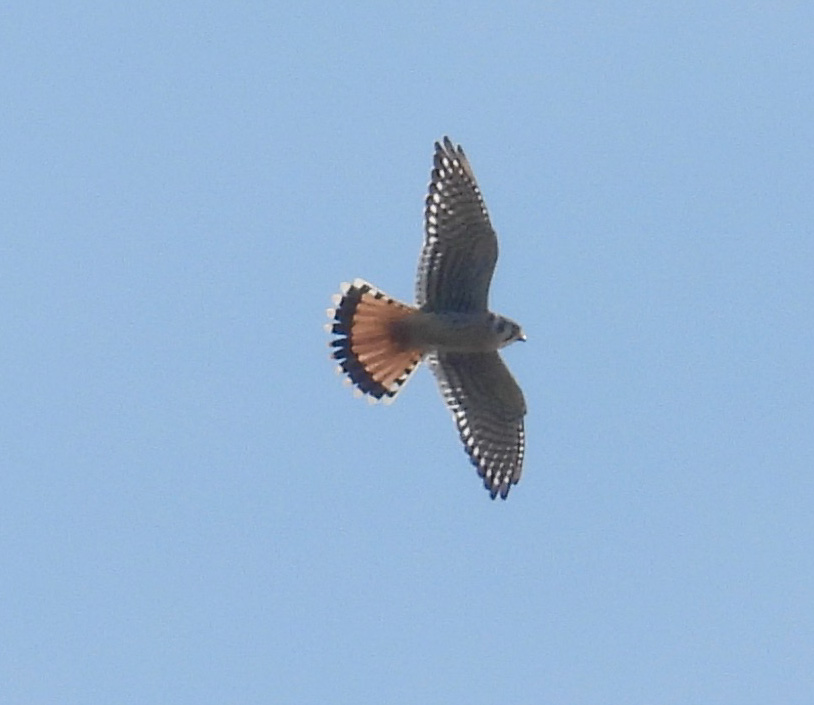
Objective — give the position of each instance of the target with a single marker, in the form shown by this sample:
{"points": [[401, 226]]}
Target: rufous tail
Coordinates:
{"points": [[366, 346]]}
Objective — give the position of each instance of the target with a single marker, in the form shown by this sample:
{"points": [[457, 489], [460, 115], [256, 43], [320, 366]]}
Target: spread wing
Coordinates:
{"points": [[460, 246], [488, 407]]}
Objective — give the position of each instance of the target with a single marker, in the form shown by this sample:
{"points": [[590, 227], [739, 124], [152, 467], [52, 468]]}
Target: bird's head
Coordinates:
{"points": [[507, 331]]}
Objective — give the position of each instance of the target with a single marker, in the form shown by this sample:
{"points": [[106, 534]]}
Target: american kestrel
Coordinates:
{"points": [[380, 341]]}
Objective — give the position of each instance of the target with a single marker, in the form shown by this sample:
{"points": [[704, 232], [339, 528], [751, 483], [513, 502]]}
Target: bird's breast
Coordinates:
{"points": [[447, 332]]}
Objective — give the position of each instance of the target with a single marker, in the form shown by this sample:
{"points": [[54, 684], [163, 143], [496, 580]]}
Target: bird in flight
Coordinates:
{"points": [[379, 341]]}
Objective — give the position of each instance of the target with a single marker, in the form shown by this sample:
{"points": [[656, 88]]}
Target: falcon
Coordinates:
{"points": [[379, 342]]}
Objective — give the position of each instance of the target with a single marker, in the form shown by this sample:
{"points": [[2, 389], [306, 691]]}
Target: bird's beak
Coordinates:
{"points": [[522, 338]]}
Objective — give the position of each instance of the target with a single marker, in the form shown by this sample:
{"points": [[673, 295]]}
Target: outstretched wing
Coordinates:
{"points": [[488, 407], [460, 246]]}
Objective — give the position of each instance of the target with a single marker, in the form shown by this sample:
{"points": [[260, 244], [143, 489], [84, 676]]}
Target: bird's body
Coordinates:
{"points": [[451, 331], [381, 341]]}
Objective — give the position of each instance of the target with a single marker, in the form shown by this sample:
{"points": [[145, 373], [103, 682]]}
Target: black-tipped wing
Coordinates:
{"points": [[488, 407], [460, 246]]}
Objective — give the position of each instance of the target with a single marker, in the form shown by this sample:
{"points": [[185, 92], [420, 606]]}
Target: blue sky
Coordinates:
{"points": [[193, 509]]}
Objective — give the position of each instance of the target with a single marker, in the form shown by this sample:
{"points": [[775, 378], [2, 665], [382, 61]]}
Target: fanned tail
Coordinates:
{"points": [[365, 347]]}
